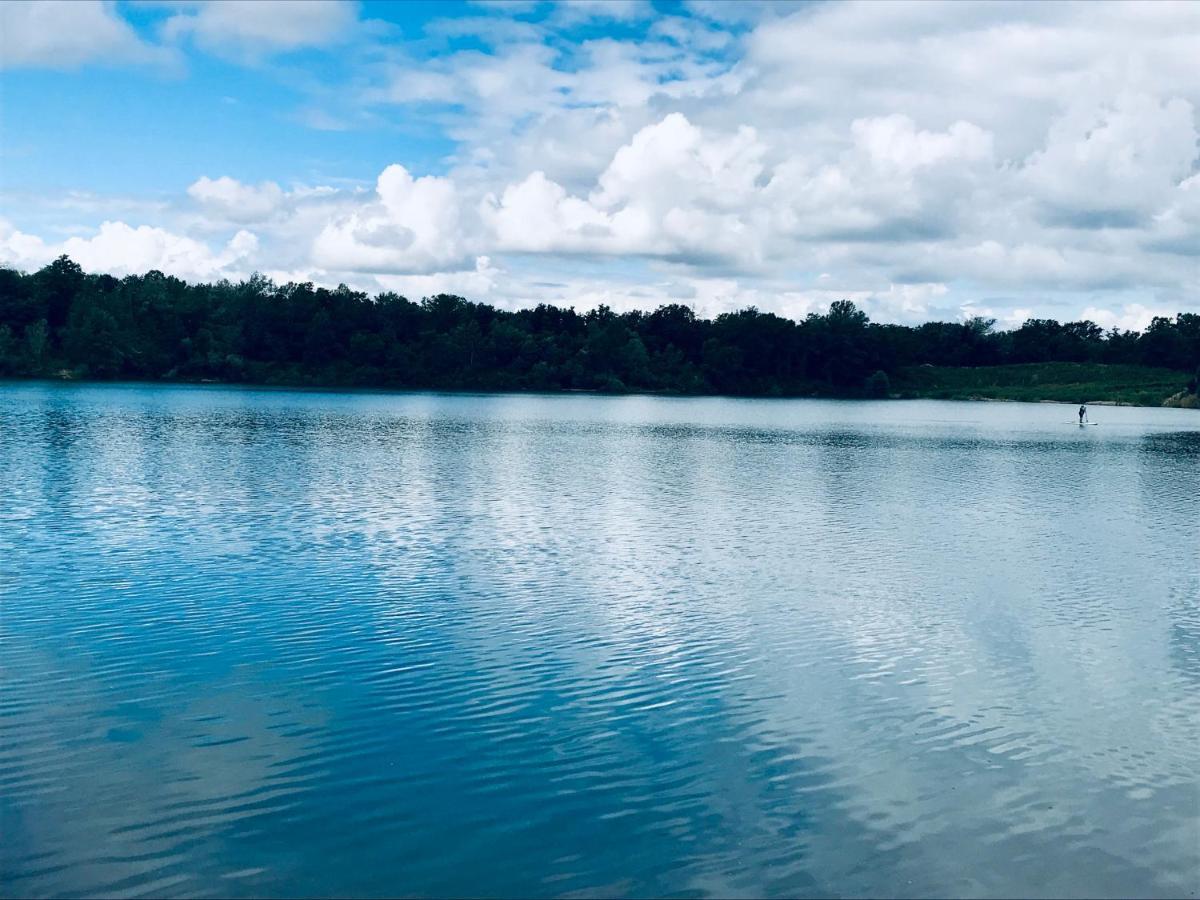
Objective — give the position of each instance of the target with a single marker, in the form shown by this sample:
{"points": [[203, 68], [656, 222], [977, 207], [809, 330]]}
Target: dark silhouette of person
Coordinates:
{"points": [[1082, 413]]}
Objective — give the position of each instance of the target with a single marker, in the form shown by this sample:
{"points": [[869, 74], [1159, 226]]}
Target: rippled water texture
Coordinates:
{"points": [[263, 643]]}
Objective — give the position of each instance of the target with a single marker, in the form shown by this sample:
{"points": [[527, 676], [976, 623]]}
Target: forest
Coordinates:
{"points": [[63, 322]]}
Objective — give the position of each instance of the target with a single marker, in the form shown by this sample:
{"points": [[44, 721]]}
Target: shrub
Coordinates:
{"points": [[878, 385]]}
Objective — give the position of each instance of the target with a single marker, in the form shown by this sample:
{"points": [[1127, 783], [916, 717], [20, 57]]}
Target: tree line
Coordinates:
{"points": [[63, 321]]}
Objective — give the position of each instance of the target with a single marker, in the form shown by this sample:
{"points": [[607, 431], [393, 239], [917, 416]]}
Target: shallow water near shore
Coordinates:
{"points": [[357, 644]]}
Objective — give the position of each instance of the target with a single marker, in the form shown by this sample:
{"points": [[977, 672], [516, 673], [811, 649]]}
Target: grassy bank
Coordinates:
{"points": [[1062, 382]]}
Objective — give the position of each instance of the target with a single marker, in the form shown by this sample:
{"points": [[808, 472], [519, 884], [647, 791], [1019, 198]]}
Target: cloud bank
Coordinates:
{"points": [[925, 160]]}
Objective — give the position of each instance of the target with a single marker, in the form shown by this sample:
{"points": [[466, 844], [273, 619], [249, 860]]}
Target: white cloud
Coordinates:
{"points": [[120, 249], [677, 191], [24, 251], [515, 81], [574, 11], [410, 225], [66, 34], [1130, 317], [511, 106], [674, 156], [743, 12], [251, 27], [1176, 228], [235, 201], [1113, 165], [478, 283], [922, 159], [894, 144], [671, 191], [537, 215], [894, 182]]}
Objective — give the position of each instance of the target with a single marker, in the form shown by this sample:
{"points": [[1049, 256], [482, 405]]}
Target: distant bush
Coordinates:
{"points": [[1061, 382], [879, 385]]}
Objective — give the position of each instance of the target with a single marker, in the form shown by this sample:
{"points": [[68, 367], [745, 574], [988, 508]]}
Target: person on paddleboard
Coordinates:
{"points": [[1082, 413]]}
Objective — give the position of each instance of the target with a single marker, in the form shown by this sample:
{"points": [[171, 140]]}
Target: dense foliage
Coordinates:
{"points": [[1063, 382], [154, 326]]}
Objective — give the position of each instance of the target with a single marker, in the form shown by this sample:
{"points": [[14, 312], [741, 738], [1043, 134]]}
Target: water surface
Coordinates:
{"points": [[287, 643]]}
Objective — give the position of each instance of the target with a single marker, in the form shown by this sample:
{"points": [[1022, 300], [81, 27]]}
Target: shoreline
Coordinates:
{"points": [[930, 394]]}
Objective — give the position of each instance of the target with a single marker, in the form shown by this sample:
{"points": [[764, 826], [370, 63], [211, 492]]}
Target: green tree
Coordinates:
{"points": [[93, 341], [56, 285], [879, 385], [10, 362], [633, 363], [156, 326], [37, 339]]}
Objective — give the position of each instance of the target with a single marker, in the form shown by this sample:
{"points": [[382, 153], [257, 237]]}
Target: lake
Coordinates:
{"points": [[297, 643]]}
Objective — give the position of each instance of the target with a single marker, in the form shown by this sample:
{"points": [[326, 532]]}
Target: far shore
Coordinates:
{"points": [[1060, 383]]}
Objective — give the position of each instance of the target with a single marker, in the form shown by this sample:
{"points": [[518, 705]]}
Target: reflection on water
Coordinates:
{"points": [[311, 643]]}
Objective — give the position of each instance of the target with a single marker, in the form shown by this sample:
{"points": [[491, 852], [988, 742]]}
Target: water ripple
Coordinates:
{"points": [[284, 643]]}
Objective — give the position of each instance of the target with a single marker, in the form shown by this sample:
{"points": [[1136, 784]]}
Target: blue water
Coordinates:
{"points": [[287, 643]]}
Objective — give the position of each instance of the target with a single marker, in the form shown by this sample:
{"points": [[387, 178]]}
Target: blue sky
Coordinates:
{"points": [[925, 160]]}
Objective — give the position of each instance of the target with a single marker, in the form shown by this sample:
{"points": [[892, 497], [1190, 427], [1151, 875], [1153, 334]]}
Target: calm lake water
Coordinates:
{"points": [[268, 642]]}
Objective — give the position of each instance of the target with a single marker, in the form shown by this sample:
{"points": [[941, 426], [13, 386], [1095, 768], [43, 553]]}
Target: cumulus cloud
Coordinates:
{"points": [[1113, 165], [521, 105], [672, 191], [410, 225], [921, 159], [235, 201], [120, 249], [894, 182], [894, 144], [905, 145], [678, 191], [1176, 228], [66, 34], [537, 215]]}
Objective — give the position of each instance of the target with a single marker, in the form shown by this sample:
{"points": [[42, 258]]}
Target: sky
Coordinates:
{"points": [[925, 160]]}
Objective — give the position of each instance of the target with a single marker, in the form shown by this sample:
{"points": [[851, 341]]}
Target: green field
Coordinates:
{"points": [[1062, 382]]}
